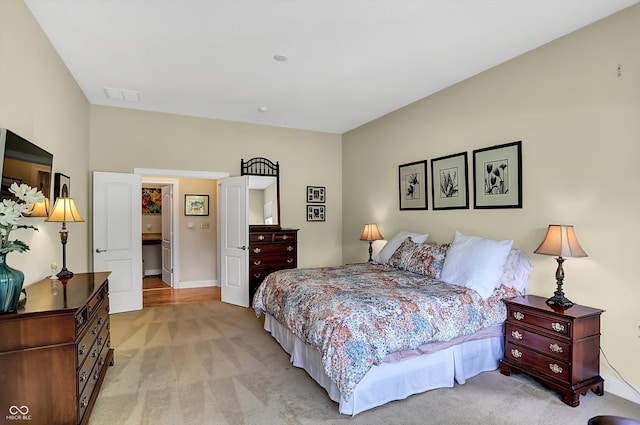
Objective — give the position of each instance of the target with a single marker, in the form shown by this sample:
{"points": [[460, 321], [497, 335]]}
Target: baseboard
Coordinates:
{"points": [[195, 284], [617, 386], [153, 272]]}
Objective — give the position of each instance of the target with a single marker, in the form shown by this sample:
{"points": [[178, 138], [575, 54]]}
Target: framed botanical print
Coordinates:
{"points": [[449, 182], [413, 185], [497, 176]]}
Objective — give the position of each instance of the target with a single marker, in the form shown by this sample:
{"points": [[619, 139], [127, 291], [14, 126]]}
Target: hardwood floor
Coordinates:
{"points": [[155, 292]]}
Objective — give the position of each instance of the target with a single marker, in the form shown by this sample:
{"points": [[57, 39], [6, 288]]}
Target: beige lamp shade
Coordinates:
{"points": [[561, 241], [41, 209], [371, 233], [65, 211]]}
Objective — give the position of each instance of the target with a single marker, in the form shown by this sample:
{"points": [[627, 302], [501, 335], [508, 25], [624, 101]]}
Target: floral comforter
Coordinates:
{"points": [[355, 315]]}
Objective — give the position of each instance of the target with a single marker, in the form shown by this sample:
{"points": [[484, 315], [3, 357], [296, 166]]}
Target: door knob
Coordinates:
{"points": [[99, 251], [242, 247]]}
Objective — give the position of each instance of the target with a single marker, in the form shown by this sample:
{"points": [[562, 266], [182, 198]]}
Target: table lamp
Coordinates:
{"points": [[371, 233], [64, 211], [560, 240]]}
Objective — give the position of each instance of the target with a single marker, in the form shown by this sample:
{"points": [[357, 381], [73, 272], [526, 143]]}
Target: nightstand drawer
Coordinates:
{"points": [[555, 324], [541, 343], [546, 365]]}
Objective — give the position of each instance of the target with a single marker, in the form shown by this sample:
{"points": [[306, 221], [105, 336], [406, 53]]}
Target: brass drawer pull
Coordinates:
{"points": [[257, 263], [256, 250], [516, 353], [82, 350], [555, 368], [284, 237], [555, 348], [517, 315], [257, 275], [289, 248], [290, 260], [516, 334], [558, 327], [79, 320], [84, 376], [260, 237], [84, 403], [94, 331]]}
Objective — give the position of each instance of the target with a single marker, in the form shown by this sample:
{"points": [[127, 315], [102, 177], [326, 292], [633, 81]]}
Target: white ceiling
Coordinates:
{"points": [[349, 61]]}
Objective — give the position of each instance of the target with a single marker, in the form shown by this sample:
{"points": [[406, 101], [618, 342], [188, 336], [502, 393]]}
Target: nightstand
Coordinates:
{"points": [[560, 347]]}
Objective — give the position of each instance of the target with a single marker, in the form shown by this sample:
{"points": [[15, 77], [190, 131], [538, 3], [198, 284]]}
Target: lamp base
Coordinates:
{"points": [[65, 274], [560, 301]]}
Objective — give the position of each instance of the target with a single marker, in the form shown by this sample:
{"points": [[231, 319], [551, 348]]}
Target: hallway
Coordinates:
{"points": [[155, 293]]}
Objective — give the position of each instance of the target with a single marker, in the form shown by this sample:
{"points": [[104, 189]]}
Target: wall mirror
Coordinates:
{"points": [[264, 191]]}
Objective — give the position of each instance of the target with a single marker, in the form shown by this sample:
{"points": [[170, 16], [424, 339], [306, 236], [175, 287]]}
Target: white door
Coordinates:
{"points": [[167, 235], [234, 240], [117, 237]]}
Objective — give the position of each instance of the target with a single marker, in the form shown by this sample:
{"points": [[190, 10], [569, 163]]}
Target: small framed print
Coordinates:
{"points": [[413, 185], [196, 204], [316, 213], [316, 194], [497, 176], [61, 186], [449, 182]]}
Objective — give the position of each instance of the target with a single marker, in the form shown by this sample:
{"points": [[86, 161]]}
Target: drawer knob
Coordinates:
{"points": [[257, 262], [284, 237], [555, 348], [94, 354], [84, 403], [261, 237], [517, 315], [94, 331], [516, 334], [79, 320], [290, 260], [558, 327], [555, 368], [516, 353], [96, 375], [289, 248], [83, 349], [256, 250], [84, 376]]}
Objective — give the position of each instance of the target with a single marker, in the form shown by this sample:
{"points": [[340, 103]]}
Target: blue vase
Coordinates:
{"points": [[11, 281]]}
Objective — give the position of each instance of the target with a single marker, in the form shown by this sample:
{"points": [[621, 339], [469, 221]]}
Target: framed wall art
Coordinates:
{"points": [[61, 186], [413, 185], [497, 176], [316, 194], [151, 200], [196, 204], [449, 182], [316, 213]]}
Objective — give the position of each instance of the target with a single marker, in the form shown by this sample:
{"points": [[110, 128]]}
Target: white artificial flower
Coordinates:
{"points": [[11, 212]]}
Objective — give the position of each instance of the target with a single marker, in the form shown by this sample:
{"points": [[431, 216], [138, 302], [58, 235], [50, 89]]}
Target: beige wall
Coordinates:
{"points": [[40, 100], [124, 139], [579, 123]]}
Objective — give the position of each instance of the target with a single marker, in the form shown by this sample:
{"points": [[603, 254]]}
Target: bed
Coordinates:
{"points": [[373, 333]]}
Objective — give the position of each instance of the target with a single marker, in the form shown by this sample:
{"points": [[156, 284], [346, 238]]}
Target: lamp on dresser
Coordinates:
{"points": [[64, 211], [560, 240], [370, 234]]}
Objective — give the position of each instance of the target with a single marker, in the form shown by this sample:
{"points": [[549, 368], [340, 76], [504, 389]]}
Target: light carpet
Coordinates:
{"points": [[212, 363]]}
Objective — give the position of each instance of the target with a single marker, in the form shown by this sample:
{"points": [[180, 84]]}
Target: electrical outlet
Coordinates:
{"points": [[204, 225]]}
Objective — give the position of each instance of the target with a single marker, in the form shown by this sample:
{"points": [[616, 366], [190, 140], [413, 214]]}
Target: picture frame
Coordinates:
{"points": [[151, 200], [450, 182], [61, 186], [316, 194], [497, 176], [412, 180], [316, 213], [196, 205]]}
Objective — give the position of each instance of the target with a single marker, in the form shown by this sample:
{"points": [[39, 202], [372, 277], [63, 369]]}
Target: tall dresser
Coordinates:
{"points": [[55, 352], [271, 248]]}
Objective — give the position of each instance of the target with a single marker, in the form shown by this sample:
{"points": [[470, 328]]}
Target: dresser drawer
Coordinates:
{"points": [[279, 262], [271, 249], [554, 324], [546, 345], [546, 365], [94, 376], [84, 347]]}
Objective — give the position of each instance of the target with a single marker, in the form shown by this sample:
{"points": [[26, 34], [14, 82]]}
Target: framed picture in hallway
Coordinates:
{"points": [[61, 186], [196, 204]]}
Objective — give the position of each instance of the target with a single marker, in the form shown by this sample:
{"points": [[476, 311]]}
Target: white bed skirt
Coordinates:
{"points": [[395, 380]]}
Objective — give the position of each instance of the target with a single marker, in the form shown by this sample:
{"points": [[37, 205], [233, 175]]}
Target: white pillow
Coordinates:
{"points": [[394, 243], [475, 263], [516, 271]]}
